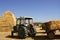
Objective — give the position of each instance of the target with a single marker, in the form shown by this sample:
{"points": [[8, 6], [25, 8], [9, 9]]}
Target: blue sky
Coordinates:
{"points": [[40, 10]]}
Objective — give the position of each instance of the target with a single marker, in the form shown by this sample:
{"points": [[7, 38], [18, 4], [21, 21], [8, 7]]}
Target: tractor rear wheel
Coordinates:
{"points": [[51, 34]]}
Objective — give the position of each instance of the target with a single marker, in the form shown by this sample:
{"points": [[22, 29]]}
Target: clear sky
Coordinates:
{"points": [[40, 10]]}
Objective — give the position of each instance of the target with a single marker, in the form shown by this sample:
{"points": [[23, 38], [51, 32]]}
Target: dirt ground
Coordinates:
{"points": [[39, 36], [7, 36]]}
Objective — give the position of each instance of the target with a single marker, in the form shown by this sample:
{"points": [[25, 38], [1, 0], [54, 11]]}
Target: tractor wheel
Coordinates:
{"points": [[31, 35], [22, 32], [51, 34], [32, 31], [21, 35]]}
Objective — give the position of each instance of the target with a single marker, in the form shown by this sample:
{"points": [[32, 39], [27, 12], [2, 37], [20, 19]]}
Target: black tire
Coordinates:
{"points": [[31, 35], [32, 31], [20, 35], [22, 32], [51, 34]]}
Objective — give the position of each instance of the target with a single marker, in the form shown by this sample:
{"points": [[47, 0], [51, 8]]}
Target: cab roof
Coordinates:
{"points": [[25, 18]]}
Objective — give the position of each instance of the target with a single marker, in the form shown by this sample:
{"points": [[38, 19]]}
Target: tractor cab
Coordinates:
{"points": [[25, 21]]}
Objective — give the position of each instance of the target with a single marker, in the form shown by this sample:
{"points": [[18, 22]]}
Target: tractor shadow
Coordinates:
{"points": [[35, 38], [46, 38], [14, 37]]}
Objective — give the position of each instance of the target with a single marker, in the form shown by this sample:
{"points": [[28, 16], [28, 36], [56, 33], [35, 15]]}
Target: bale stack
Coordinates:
{"points": [[54, 25], [7, 21]]}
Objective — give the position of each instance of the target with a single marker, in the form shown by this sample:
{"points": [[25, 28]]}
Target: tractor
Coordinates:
{"points": [[24, 27]]}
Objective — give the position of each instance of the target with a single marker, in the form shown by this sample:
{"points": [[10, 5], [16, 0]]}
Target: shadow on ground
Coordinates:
{"points": [[14, 37], [35, 38], [45, 38]]}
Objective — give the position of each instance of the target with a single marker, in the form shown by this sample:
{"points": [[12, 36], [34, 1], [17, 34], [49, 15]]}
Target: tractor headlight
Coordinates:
{"points": [[26, 24]]}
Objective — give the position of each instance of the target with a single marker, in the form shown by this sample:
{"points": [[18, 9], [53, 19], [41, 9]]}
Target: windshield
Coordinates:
{"points": [[18, 21], [31, 21], [22, 21], [28, 21]]}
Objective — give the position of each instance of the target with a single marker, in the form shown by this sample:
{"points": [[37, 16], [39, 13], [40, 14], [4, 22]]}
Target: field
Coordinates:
{"points": [[39, 36]]}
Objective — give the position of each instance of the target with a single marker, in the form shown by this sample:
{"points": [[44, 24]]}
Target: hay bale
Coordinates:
{"points": [[58, 24], [53, 25], [7, 21], [9, 17]]}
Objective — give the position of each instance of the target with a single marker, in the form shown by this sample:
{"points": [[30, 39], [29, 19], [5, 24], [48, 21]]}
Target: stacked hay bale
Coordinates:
{"points": [[54, 25], [7, 21]]}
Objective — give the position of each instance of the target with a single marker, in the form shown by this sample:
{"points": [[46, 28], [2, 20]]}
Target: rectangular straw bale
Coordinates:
{"points": [[53, 25]]}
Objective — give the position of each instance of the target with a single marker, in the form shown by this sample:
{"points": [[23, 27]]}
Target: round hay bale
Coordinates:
{"points": [[7, 21], [9, 17]]}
